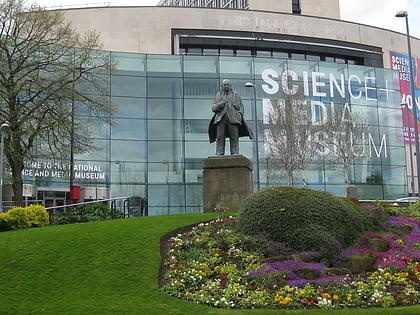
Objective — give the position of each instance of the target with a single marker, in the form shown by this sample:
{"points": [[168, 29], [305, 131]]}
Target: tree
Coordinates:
{"points": [[288, 139], [342, 136], [53, 86]]}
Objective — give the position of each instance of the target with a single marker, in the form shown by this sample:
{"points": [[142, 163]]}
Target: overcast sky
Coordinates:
{"points": [[379, 13]]}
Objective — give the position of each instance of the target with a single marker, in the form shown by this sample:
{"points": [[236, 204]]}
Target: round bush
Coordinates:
{"points": [[304, 219], [37, 215]]}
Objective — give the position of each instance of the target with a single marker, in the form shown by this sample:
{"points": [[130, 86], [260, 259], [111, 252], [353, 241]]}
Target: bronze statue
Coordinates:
{"points": [[228, 120]]}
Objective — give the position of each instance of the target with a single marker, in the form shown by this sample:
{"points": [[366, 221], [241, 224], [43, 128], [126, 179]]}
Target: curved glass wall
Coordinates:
{"points": [[155, 147]]}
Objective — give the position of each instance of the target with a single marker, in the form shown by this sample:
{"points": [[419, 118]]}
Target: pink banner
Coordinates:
{"points": [[401, 63]]}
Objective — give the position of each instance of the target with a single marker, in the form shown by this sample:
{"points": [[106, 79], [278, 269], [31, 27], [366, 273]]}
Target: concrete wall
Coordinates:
{"points": [[321, 8], [148, 29], [271, 5]]}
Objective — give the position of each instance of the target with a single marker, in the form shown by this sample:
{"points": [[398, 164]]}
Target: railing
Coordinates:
{"points": [[72, 205], [62, 210]]}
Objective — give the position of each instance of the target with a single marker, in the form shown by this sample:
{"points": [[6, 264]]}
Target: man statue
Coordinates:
{"points": [[228, 120]]}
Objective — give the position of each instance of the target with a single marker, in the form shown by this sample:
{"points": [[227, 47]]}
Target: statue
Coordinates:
{"points": [[228, 120]]}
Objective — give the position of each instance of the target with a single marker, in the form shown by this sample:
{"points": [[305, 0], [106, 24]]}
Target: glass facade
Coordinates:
{"points": [[155, 146]]}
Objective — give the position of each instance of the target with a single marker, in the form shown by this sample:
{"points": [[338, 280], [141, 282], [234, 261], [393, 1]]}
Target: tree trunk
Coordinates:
{"points": [[346, 175], [305, 183], [17, 184]]}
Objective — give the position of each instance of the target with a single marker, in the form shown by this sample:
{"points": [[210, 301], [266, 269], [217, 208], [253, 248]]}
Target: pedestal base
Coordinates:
{"points": [[227, 180]]}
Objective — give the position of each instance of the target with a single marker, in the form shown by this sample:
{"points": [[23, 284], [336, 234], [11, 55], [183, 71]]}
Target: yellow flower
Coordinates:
{"points": [[278, 298], [326, 295], [287, 300], [336, 297]]}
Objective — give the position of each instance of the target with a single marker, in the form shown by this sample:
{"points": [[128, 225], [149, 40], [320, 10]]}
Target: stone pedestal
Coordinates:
{"points": [[227, 180]]}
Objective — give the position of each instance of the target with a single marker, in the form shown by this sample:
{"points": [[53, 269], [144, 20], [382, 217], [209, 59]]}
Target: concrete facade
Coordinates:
{"points": [[149, 29]]}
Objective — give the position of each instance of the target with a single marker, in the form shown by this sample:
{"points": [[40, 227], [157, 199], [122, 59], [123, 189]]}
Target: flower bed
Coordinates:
{"points": [[212, 264]]}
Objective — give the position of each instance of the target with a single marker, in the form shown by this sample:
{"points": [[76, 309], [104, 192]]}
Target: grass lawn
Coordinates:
{"points": [[108, 267]]}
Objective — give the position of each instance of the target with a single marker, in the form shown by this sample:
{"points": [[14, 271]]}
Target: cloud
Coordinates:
{"points": [[381, 13]]}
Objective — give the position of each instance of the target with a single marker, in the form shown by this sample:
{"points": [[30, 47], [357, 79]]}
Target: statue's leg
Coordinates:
{"points": [[234, 139], [220, 138]]}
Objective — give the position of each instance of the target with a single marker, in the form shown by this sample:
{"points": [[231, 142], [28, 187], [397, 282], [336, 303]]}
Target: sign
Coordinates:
{"points": [[400, 62]]}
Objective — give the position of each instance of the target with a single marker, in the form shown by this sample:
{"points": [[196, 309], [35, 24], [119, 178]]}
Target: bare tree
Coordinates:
{"points": [[53, 86], [342, 136], [288, 139]]}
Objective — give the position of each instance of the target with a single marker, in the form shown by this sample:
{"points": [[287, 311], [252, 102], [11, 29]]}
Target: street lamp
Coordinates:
{"points": [[3, 128], [252, 85], [404, 14], [406, 118]]}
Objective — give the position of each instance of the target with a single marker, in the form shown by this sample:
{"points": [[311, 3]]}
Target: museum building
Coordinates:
{"points": [[170, 62]]}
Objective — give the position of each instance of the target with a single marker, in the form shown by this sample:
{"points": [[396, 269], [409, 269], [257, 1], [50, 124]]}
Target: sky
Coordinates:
{"points": [[380, 13]]}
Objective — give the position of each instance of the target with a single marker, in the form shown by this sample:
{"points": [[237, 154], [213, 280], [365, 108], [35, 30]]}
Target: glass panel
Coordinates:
{"points": [[164, 87], [198, 108], [166, 66], [235, 66], [226, 52], [243, 52], [130, 151], [201, 150], [129, 63], [194, 51], [280, 54], [297, 56], [101, 152], [166, 199], [158, 200], [128, 86], [124, 172], [201, 87], [264, 53], [129, 107], [165, 172], [129, 129], [387, 79], [210, 51], [165, 151], [196, 129], [194, 198], [313, 57], [165, 130], [390, 117], [169, 108], [193, 65]]}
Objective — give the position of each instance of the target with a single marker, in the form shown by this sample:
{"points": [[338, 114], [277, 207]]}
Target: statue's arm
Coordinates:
{"points": [[218, 104]]}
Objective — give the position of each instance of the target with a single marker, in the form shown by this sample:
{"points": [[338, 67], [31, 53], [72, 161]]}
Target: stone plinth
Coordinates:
{"points": [[227, 180]]}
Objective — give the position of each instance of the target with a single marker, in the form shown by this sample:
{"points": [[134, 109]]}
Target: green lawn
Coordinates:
{"points": [[107, 267]]}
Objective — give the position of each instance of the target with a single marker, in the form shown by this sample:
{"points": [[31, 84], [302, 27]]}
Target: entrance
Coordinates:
{"points": [[53, 198]]}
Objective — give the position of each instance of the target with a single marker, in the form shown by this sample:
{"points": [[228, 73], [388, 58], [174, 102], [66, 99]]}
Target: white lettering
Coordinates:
{"points": [[272, 87]]}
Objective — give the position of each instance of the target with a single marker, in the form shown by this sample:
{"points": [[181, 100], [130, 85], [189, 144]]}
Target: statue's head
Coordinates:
{"points": [[226, 85]]}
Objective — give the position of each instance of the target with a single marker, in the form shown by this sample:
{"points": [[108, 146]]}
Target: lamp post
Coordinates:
{"points": [[406, 118], [3, 128], [168, 203], [404, 14], [252, 85]]}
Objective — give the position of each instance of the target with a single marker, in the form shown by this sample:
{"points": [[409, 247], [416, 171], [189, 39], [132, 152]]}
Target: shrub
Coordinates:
{"points": [[4, 224], [412, 210], [22, 218], [304, 219], [17, 218], [87, 213], [37, 215]]}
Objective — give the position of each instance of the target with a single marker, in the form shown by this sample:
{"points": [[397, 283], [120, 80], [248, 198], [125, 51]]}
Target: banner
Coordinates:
{"points": [[400, 62]]}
